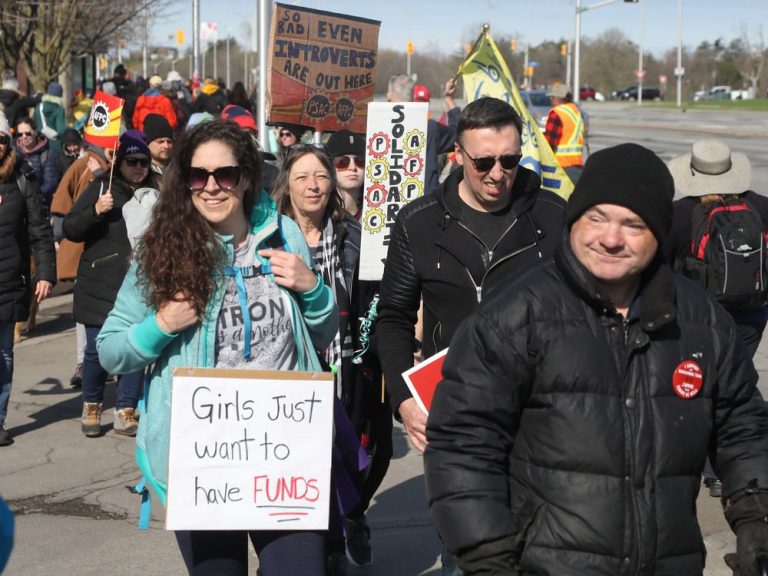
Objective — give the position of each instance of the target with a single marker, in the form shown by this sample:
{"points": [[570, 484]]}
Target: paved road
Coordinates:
{"points": [[75, 514]]}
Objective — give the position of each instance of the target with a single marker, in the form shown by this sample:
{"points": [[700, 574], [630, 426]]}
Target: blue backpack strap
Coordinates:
{"points": [[240, 274], [145, 510]]}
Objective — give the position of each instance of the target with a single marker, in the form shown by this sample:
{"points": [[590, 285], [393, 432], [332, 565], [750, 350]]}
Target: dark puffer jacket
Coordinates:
{"points": [[23, 230], [107, 252], [557, 443], [432, 254]]}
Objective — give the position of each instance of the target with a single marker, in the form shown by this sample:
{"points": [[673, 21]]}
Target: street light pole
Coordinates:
{"points": [[679, 71], [228, 82], [577, 42], [640, 61], [196, 41], [265, 8]]}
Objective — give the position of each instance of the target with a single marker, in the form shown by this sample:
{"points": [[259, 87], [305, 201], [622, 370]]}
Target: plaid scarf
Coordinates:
{"points": [[329, 265]]}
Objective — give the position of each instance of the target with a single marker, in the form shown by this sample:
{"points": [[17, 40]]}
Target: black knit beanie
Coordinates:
{"points": [[630, 176]]}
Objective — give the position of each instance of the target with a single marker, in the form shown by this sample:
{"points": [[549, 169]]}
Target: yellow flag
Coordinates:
{"points": [[486, 74]]}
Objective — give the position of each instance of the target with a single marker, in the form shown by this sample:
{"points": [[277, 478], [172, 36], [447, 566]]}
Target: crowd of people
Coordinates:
{"points": [[587, 382]]}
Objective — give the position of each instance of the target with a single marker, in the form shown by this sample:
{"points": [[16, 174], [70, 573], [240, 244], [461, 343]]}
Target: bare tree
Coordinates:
{"points": [[45, 35], [751, 60]]}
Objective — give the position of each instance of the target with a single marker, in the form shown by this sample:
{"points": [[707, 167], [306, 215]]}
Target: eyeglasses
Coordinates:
{"points": [[5, 139], [20, 133], [342, 163], [486, 163], [133, 162], [285, 133], [226, 177]]}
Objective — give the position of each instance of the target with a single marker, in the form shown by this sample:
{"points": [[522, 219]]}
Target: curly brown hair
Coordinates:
{"points": [[281, 191], [179, 250]]}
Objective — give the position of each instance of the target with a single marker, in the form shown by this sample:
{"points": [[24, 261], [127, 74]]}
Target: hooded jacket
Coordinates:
{"points": [[153, 101], [24, 230], [434, 255], [568, 440]]}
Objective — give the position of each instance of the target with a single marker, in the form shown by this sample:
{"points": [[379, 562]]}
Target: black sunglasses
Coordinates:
{"points": [[20, 133], [342, 163], [5, 139], [486, 163], [133, 162], [226, 177]]}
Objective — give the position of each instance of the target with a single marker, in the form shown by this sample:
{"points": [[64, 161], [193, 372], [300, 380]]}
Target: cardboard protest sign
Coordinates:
{"points": [[394, 175], [103, 128], [250, 450], [323, 68], [422, 379]]}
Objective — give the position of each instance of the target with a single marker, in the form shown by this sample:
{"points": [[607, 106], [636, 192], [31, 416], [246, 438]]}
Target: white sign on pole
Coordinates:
{"points": [[394, 175], [250, 450]]}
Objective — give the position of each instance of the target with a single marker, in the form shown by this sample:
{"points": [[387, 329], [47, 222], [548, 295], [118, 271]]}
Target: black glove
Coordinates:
{"points": [[751, 547]]}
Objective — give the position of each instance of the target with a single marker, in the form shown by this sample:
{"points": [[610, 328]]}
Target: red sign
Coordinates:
{"points": [[687, 379], [323, 68], [639, 74], [422, 380]]}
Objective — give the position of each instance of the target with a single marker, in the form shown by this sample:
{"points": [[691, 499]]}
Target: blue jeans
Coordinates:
{"points": [[95, 377], [6, 367], [225, 552]]}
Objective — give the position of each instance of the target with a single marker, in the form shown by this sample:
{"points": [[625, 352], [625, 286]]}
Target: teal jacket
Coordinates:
{"points": [[131, 339]]}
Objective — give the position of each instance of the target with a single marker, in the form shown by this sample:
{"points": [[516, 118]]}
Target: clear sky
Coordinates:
{"points": [[447, 25]]}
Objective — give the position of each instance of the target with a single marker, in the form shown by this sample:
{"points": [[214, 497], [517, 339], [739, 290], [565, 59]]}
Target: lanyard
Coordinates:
{"points": [[240, 274]]}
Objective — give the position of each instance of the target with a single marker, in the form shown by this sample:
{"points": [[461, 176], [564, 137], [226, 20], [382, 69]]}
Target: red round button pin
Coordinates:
{"points": [[687, 379]]}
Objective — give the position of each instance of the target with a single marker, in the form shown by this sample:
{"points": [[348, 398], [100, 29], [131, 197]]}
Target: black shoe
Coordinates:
{"points": [[5, 437], [358, 541], [336, 564], [715, 487], [76, 380]]}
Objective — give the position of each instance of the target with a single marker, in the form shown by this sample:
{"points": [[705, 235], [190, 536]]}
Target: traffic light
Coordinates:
{"points": [[409, 48], [513, 44], [180, 36], [564, 49]]}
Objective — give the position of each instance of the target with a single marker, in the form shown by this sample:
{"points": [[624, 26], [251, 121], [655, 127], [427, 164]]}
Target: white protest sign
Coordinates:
{"points": [[394, 175], [250, 450]]}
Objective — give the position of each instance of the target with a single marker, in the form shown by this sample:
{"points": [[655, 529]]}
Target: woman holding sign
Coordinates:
{"points": [[215, 251], [96, 219]]}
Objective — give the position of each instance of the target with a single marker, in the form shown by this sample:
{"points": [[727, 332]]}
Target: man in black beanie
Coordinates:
{"points": [[160, 141], [577, 407]]}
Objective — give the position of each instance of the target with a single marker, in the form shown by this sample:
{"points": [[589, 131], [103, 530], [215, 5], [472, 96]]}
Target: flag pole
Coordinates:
{"points": [[486, 29], [112, 165]]}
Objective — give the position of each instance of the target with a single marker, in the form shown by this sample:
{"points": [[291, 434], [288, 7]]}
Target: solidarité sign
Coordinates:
{"points": [[396, 136], [322, 68], [250, 450]]}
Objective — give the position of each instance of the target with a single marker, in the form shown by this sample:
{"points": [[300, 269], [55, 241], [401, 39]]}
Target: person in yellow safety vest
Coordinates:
{"points": [[566, 131]]}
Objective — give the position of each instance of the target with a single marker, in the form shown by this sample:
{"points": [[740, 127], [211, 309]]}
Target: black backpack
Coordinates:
{"points": [[728, 251]]}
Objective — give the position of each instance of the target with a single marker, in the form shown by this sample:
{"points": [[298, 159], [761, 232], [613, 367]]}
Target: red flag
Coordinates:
{"points": [[103, 128]]}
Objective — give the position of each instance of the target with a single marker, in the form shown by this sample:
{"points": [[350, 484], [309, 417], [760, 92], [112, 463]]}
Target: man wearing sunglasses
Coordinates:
{"points": [[486, 223]]}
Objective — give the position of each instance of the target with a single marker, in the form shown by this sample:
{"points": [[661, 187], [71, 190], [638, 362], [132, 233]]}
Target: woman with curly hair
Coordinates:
{"points": [[180, 306]]}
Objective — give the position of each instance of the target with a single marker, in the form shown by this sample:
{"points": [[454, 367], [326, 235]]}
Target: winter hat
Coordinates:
{"points": [[119, 70], [711, 168], [5, 128], [420, 93], [71, 136], [630, 176], [11, 84], [156, 126], [132, 142], [198, 118], [239, 116], [345, 142], [560, 91], [55, 89], [173, 76], [109, 88], [155, 81]]}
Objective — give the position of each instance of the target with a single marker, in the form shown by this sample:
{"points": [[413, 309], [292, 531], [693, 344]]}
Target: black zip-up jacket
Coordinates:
{"points": [[107, 252], [24, 229], [433, 255], [558, 444]]}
